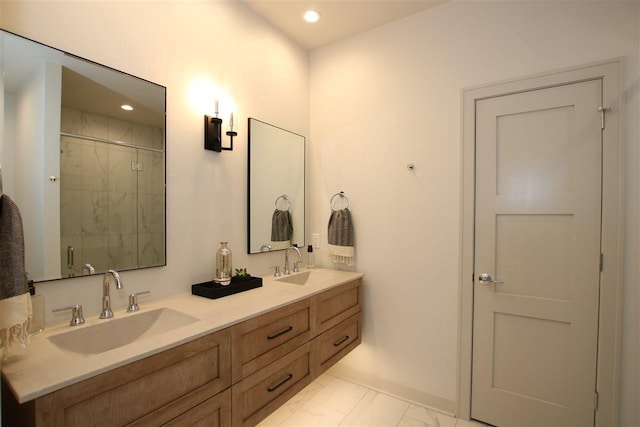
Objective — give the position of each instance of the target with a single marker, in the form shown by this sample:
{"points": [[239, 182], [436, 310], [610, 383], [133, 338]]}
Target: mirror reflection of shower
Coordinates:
{"points": [[65, 143], [111, 193]]}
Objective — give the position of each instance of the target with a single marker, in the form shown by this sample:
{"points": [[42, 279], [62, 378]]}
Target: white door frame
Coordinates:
{"points": [[610, 316]]}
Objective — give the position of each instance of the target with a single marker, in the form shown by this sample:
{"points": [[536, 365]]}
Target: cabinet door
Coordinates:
{"points": [[334, 344], [259, 394], [263, 339], [337, 304], [152, 388]]}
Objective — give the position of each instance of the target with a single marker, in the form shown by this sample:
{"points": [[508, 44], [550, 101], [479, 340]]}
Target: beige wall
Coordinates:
{"points": [[378, 101], [392, 96], [179, 45]]}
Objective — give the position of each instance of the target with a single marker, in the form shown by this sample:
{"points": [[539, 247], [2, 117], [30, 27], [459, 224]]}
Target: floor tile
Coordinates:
{"points": [[376, 409], [314, 414], [410, 422], [331, 402], [340, 395], [429, 418], [293, 405]]}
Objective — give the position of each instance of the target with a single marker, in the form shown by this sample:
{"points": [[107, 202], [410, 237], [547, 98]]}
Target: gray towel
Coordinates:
{"points": [[13, 278], [281, 226], [340, 237], [15, 301]]}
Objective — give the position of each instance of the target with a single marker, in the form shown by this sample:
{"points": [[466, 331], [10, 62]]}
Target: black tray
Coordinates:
{"points": [[214, 290]]}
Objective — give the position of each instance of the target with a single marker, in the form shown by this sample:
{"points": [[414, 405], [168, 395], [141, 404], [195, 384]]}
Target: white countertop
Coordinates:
{"points": [[42, 367]]}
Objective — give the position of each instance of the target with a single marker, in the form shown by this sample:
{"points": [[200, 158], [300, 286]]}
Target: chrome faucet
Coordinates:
{"points": [[106, 299], [286, 259], [88, 269]]}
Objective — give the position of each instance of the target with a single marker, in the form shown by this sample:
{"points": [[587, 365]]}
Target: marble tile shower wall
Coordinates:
{"points": [[104, 201]]}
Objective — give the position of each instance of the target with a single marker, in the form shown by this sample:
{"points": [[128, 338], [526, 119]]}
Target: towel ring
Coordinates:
{"points": [[286, 198], [342, 196]]}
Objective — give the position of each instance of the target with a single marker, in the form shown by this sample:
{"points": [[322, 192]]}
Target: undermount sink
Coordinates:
{"points": [[307, 277], [110, 334]]}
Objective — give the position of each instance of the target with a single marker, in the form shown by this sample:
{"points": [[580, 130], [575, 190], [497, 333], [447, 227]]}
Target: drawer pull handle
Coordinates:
{"points": [[342, 341], [280, 384], [282, 332]]}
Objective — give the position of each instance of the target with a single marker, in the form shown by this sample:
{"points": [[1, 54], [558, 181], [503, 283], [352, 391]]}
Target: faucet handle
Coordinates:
{"points": [[76, 314], [133, 301], [295, 266], [276, 273]]}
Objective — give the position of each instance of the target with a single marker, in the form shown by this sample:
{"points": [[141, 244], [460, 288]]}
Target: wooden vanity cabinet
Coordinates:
{"points": [[335, 343], [320, 329], [234, 377], [160, 389], [257, 342], [261, 393], [338, 324], [337, 304]]}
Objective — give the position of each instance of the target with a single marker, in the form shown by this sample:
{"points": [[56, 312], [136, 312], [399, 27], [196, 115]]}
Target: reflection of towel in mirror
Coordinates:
{"points": [[340, 237], [281, 226], [15, 301]]}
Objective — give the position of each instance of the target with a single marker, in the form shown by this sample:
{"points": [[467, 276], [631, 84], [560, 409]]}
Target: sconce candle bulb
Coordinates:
{"points": [[231, 133]]}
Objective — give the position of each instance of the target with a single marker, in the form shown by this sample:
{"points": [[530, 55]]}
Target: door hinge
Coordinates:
{"points": [[601, 262], [603, 110], [595, 401]]}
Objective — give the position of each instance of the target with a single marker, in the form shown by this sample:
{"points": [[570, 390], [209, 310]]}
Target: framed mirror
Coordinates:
{"points": [[276, 188], [87, 175]]}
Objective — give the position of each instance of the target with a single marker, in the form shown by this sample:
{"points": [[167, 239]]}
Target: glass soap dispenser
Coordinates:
{"points": [[311, 257], [37, 304], [223, 265]]}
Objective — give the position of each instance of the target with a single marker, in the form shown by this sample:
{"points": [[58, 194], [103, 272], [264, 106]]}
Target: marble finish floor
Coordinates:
{"points": [[330, 401]]}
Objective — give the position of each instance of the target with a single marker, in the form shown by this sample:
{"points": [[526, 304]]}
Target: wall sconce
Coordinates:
{"points": [[213, 132]]}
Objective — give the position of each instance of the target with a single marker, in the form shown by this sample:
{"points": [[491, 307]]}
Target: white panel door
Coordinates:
{"points": [[538, 221]]}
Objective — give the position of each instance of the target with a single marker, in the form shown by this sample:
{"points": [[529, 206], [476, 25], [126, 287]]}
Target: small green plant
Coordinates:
{"points": [[241, 272]]}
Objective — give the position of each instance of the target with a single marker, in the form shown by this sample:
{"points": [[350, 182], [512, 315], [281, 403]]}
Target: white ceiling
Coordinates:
{"points": [[338, 18]]}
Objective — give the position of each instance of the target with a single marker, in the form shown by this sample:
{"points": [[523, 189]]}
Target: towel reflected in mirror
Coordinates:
{"points": [[281, 229]]}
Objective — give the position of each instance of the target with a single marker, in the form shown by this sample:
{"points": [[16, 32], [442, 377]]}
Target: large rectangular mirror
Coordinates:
{"points": [[276, 188], [87, 175]]}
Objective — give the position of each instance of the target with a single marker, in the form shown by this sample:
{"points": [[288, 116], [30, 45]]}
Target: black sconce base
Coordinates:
{"points": [[212, 133]]}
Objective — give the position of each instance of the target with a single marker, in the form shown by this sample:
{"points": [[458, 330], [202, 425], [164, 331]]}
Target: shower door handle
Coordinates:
{"points": [[70, 257], [486, 279]]}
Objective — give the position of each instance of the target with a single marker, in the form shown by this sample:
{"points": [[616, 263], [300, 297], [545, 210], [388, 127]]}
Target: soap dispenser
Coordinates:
{"points": [[223, 265], [311, 257], [37, 305]]}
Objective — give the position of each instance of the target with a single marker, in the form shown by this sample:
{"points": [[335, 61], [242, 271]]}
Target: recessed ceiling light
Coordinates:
{"points": [[311, 16], [126, 107]]}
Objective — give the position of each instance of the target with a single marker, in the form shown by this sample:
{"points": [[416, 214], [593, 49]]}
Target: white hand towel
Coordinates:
{"points": [[340, 237]]}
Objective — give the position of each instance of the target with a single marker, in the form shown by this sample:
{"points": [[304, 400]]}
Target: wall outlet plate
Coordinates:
{"points": [[315, 240]]}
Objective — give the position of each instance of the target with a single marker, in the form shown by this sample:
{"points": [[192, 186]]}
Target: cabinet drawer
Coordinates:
{"points": [[337, 304], [213, 412], [334, 344], [152, 388], [259, 394], [259, 341]]}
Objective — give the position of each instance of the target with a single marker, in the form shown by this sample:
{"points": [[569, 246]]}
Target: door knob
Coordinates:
{"points": [[486, 279]]}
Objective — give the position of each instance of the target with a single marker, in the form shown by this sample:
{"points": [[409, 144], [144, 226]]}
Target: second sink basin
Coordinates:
{"points": [[308, 277], [115, 333]]}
